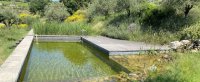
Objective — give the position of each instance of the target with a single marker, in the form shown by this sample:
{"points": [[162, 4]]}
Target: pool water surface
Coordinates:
{"points": [[63, 61]]}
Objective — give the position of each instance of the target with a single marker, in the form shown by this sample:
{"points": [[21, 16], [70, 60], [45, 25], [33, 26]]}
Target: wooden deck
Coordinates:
{"points": [[121, 47]]}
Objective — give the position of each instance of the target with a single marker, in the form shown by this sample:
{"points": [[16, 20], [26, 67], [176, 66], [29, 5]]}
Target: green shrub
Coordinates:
{"points": [[101, 7], [120, 32], [74, 5], [37, 6], [25, 18], [56, 12], [192, 32]]}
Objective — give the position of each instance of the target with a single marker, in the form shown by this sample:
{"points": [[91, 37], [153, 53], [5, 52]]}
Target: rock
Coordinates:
{"points": [[133, 74], [175, 44], [167, 57], [194, 50], [195, 44], [152, 68], [185, 42]]}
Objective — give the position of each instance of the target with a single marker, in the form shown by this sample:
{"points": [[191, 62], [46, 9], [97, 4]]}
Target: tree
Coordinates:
{"points": [[184, 5], [74, 5], [8, 17], [38, 6], [102, 7], [56, 11]]}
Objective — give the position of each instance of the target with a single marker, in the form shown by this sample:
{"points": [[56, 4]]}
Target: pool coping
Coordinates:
{"points": [[10, 70]]}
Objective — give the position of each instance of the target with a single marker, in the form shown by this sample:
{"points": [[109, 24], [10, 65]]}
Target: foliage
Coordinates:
{"points": [[23, 26], [2, 25], [192, 32], [25, 18], [8, 17], [74, 5], [183, 69], [56, 12], [55, 28], [136, 34], [38, 6], [77, 16], [102, 7], [8, 38], [183, 5]]}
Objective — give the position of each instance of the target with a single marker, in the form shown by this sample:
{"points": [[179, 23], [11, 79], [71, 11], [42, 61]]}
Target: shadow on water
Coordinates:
{"points": [[24, 67], [73, 53], [105, 58]]}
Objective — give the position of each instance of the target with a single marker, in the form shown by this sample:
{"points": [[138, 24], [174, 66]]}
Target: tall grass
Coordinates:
{"points": [[185, 68], [137, 34], [8, 38], [56, 28]]}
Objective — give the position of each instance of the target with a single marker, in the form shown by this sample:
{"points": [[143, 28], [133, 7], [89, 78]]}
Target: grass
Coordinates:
{"points": [[19, 4], [184, 67], [137, 34], [8, 37], [55, 28]]}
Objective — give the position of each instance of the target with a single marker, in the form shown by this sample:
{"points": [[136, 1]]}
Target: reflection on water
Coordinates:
{"points": [[63, 61]]}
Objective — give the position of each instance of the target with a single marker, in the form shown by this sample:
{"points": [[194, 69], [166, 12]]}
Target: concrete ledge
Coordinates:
{"points": [[11, 68], [57, 38]]}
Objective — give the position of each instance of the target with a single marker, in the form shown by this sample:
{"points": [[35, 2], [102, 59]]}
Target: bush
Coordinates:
{"points": [[77, 16], [56, 12], [2, 25], [120, 32], [23, 26], [25, 18], [192, 32], [37, 6], [102, 7]]}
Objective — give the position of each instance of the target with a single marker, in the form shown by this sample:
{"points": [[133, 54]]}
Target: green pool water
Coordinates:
{"points": [[51, 61]]}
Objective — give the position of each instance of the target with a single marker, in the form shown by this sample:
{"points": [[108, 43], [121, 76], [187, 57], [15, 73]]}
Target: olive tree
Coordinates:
{"points": [[74, 5], [102, 7], [56, 11], [183, 5], [8, 17], [37, 6]]}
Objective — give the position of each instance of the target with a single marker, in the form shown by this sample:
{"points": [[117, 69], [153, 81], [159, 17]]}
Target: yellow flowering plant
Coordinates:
{"points": [[24, 15], [23, 26], [2, 25], [77, 16]]}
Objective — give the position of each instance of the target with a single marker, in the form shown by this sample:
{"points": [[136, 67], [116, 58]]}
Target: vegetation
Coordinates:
{"points": [[55, 28], [38, 6], [151, 21], [183, 69], [73, 5], [180, 67], [8, 38], [56, 11]]}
